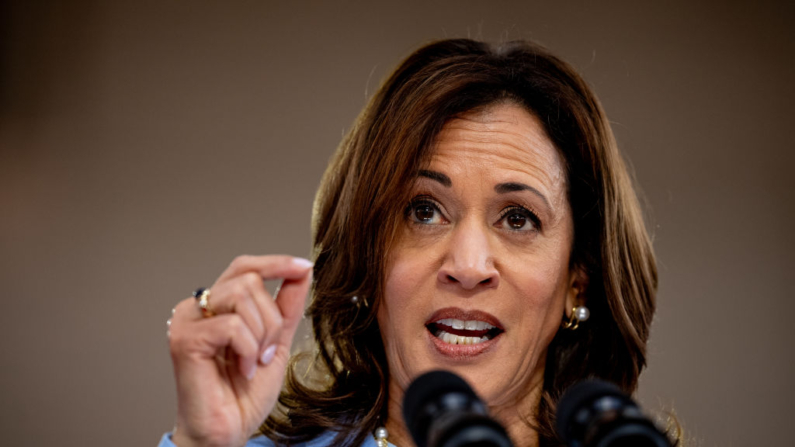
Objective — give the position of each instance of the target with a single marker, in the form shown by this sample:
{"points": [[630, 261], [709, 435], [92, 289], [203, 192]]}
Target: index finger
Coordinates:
{"points": [[269, 267]]}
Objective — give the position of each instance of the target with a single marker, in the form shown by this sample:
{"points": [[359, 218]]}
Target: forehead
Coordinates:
{"points": [[503, 140]]}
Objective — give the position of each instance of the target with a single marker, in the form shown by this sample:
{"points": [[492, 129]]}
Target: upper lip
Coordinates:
{"points": [[462, 314]]}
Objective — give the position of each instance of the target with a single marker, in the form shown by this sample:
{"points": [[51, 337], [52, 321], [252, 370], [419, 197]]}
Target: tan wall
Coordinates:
{"points": [[143, 144]]}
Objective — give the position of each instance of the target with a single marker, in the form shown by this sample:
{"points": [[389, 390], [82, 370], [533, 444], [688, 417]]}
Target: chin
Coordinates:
{"points": [[496, 376]]}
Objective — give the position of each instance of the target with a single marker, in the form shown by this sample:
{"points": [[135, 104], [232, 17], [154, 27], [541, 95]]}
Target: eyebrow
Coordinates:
{"points": [[501, 188], [504, 188], [438, 176]]}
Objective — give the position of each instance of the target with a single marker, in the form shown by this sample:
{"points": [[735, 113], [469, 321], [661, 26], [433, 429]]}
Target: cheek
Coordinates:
{"points": [[400, 316], [409, 272], [542, 290], [399, 287]]}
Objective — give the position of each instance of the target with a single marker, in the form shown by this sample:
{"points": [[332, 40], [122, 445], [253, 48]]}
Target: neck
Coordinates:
{"points": [[395, 425], [516, 416]]}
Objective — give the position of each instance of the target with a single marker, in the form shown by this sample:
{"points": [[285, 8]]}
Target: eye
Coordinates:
{"points": [[424, 211], [519, 218]]}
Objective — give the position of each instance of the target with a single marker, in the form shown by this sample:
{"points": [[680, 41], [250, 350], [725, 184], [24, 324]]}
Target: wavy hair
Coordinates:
{"points": [[360, 204]]}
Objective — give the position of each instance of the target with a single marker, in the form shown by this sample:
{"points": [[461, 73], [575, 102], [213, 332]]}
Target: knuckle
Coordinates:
{"points": [[240, 262], [226, 298], [237, 293], [234, 324], [238, 328], [252, 280]]}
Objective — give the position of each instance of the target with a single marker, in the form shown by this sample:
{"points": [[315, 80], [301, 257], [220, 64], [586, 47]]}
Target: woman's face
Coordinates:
{"points": [[478, 279]]}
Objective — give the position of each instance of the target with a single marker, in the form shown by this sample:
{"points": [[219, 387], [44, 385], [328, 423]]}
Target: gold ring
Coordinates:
{"points": [[202, 295]]}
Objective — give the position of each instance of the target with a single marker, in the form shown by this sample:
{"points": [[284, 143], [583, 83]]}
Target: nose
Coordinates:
{"points": [[469, 261]]}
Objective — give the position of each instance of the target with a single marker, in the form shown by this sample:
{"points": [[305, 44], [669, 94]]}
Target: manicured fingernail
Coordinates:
{"points": [[268, 354], [304, 263], [251, 371]]}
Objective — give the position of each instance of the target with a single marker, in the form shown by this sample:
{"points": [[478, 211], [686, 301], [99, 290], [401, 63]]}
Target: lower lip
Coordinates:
{"points": [[462, 352]]}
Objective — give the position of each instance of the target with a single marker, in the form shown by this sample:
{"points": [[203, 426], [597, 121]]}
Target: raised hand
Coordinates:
{"points": [[230, 367]]}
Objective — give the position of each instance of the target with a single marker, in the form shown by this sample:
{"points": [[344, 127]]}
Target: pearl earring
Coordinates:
{"points": [[579, 314], [380, 437]]}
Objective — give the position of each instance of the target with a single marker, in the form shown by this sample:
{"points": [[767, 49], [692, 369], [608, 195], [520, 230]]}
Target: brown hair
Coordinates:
{"points": [[361, 201]]}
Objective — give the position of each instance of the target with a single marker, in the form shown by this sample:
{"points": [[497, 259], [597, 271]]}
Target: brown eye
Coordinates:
{"points": [[519, 218], [516, 221], [424, 212]]}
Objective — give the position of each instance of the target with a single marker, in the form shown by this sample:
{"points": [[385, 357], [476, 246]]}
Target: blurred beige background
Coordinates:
{"points": [[144, 144]]}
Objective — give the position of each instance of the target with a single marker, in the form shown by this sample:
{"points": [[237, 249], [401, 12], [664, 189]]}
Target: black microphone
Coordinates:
{"points": [[597, 414], [442, 410]]}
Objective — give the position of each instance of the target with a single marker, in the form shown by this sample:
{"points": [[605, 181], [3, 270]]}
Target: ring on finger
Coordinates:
{"points": [[202, 295]]}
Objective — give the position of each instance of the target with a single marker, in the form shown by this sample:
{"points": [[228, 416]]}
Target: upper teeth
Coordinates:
{"points": [[469, 325]]}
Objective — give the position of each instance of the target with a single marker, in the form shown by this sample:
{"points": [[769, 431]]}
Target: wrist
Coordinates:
{"points": [[182, 441]]}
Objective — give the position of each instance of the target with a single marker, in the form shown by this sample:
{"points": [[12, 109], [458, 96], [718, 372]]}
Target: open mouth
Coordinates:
{"points": [[463, 332]]}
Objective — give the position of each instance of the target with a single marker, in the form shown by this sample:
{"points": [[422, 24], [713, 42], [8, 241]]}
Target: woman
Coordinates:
{"points": [[475, 216]]}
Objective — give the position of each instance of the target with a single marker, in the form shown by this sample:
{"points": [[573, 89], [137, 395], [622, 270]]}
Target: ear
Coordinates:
{"points": [[578, 284]]}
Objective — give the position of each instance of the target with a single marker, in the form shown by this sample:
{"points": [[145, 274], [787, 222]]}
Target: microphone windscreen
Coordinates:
{"points": [[579, 396], [429, 386], [599, 414]]}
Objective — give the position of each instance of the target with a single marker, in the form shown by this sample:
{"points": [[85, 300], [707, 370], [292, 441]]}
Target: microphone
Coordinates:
{"points": [[442, 410], [597, 414]]}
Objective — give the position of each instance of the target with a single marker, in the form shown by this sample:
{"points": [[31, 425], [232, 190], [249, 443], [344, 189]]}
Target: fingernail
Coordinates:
{"points": [[251, 372], [268, 354], [304, 263]]}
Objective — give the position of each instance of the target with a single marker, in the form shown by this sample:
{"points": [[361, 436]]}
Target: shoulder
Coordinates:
{"points": [[323, 440]]}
